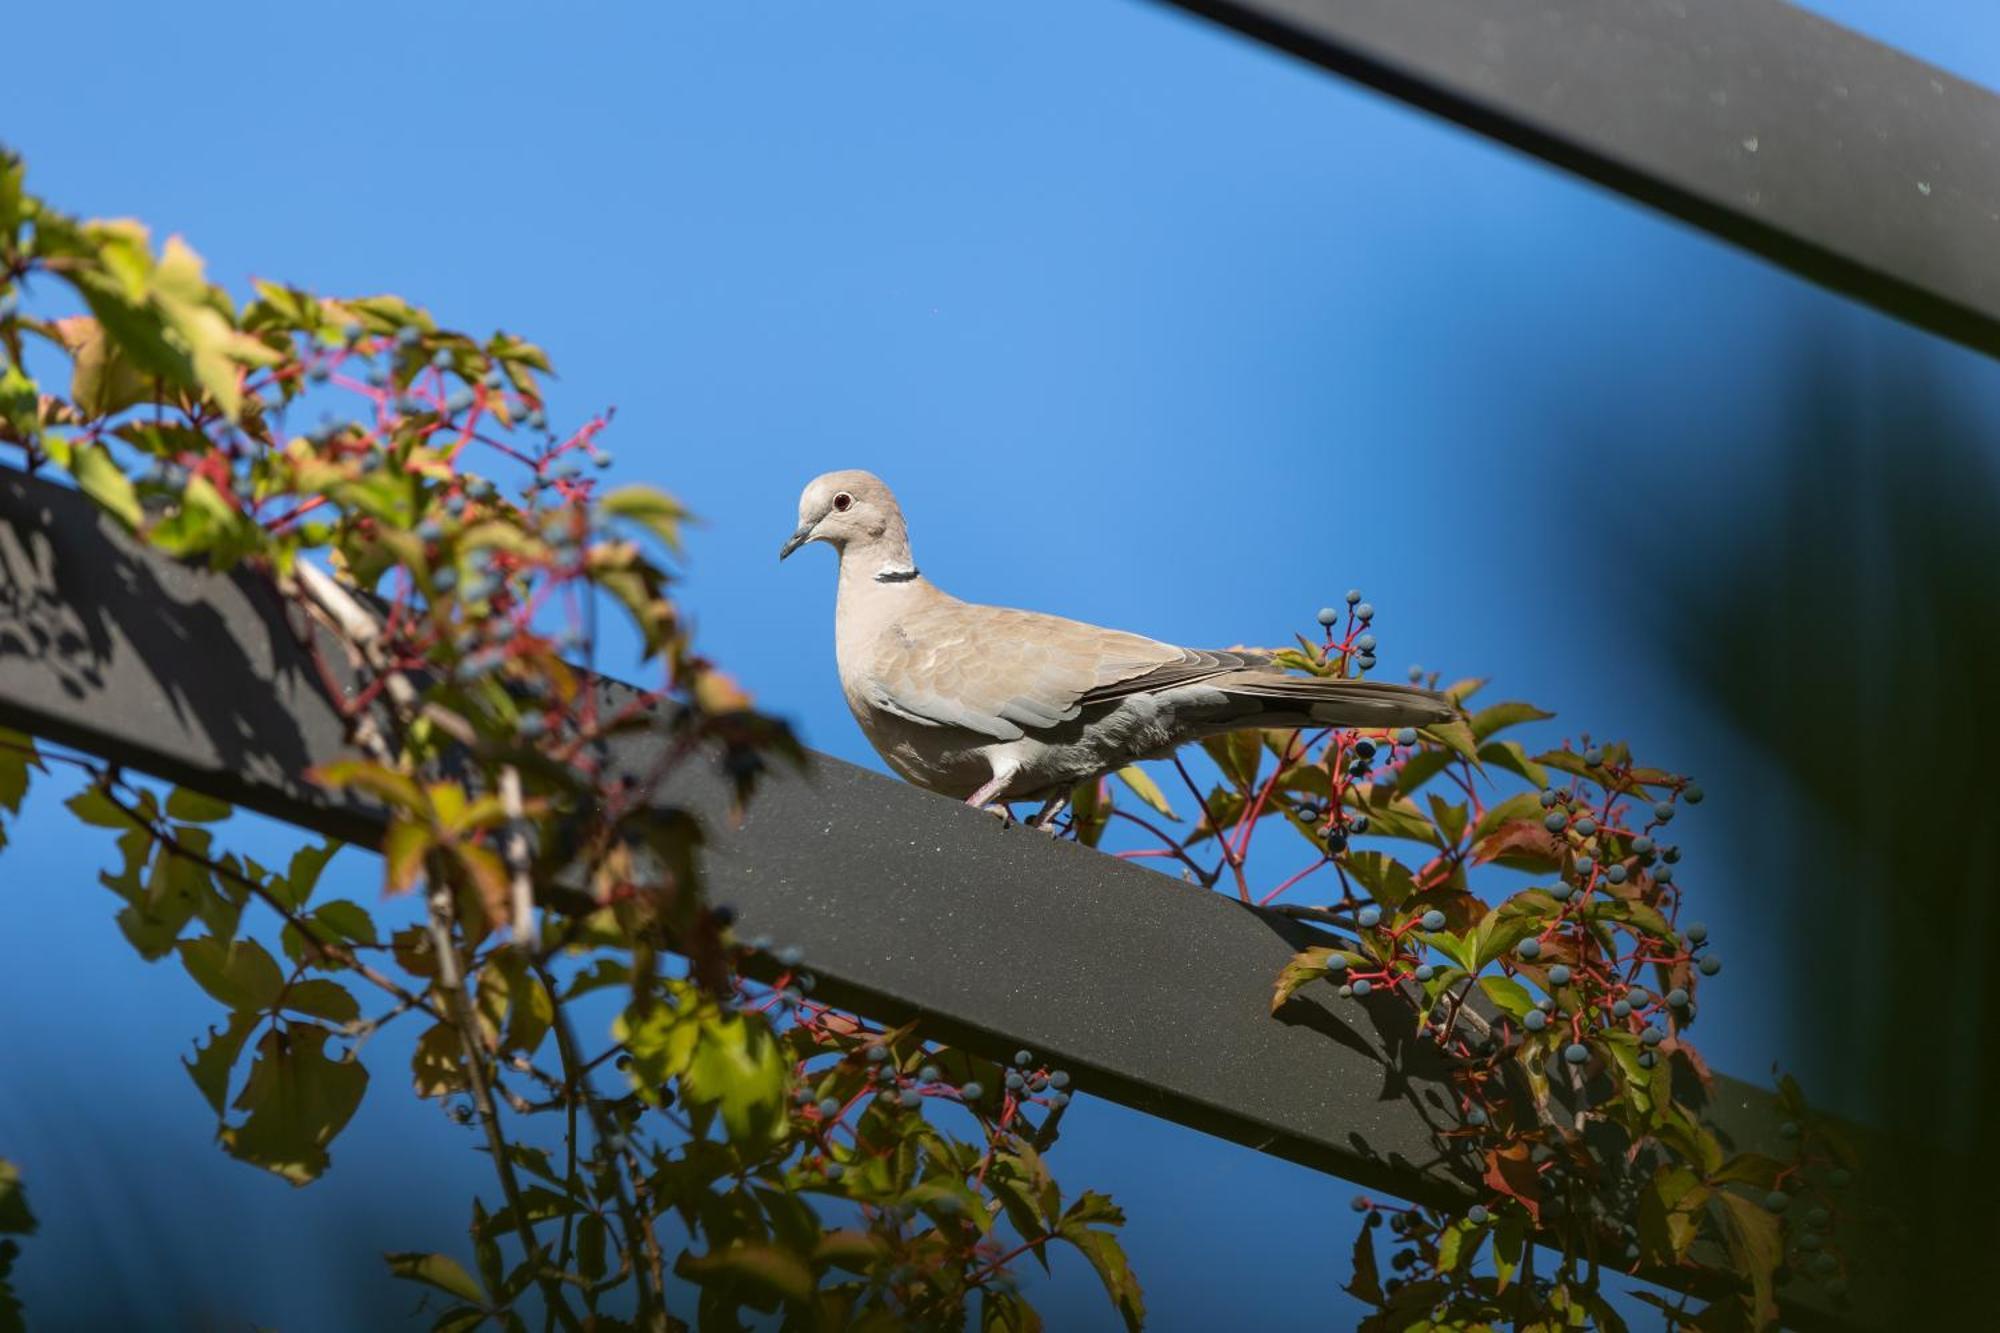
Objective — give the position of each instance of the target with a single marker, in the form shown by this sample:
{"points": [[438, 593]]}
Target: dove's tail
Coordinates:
{"points": [[1307, 701]]}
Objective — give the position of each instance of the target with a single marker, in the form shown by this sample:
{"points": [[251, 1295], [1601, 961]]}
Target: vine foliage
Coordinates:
{"points": [[668, 1140]]}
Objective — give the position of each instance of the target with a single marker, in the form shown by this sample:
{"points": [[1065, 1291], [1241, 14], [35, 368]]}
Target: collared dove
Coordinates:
{"points": [[992, 704]]}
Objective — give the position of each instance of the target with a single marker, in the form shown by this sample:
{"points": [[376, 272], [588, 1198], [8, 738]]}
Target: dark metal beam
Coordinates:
{"points": [[909, 906], [1844, 160]]}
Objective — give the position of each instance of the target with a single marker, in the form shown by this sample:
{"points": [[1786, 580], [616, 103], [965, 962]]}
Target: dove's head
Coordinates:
{"points": [[853, 512]]}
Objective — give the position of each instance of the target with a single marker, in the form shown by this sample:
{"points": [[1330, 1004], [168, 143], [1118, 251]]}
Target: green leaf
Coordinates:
{"points": [[1107, 1256], [740, 1067], [1303, 969], [1508, 994], [298, 1100], [1498, 717], [440, 1271], [1146, 789], [437, 1066], [1510, 756], [1388, 881], [661, 1040], [1449, 817], [1670, 1208], [195, 808], [768, 1267], [95, 807], [99, 476], [1456, 737], [1524, 805], [323, 999], [240, 974], [15, 1217], [1756, 1247], [212, 1063], [652, 509]]}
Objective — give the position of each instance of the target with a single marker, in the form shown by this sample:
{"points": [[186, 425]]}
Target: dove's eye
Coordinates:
{"points": [[842, 501]]}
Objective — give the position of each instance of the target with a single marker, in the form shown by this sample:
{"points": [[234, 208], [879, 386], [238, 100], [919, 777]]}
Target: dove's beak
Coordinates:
{"points": [[796, 540]]}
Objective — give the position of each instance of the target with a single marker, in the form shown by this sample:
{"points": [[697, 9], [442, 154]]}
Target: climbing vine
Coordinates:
{"points": [[1562, 1008], [448, 557]]}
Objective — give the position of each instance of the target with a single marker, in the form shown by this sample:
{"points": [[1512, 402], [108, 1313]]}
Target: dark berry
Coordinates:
{"points": [[1353, 596], [1554, 821], [1710, 965], [1535, 1020], [1336, 963], [1776, 1201], [1328, 616], [1642, 846], [1548, 797], [1576, 1053], [1023, 1057], [1586, 826], [1363, 986], [1559, 975], [1616, 874], [1477, 1215], [1366, 643], [1364, 613], [1691, 794], [1425, 972], [1697, 933], [1663, 811], [1432, 920], [1652, 1036], [1406, 736], [1677, 998], [1529, 948], [1368, 916], [1593, 756]]}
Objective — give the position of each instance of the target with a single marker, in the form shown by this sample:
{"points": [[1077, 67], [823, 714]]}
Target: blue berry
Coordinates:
{"points": [[1622, 1009], [1059, 1079], [1369, 916], [928, 1074], [790, 956], [1576, 1053], [1365, 662], [1014, 1081], [1559, 975], [1529, 948], [1476, 1116], [1663, 874], [1697, 932], [1586, 826], [1023, 1057], [972, 1091], [1432, 920], [350, 334], [458, 400], [1593, 756], [1616, 874], [1710, 965], [1366, 643], [1535, 1020], [1652, 1036], [829, 1107], [319, 374], [409, 336], [1406, 736], [1642, 846], [1416, 675], [1477, 1215], [1648, 1059], [1548, 797], [1554, 821], [1328, 616], [1353, 596], [1776, 1201], [1364, 613], [877, 1054], [1677, 998], [441, 359], [1336, 963], [1363, 986], [1691, 794], [1358, 824], [538, 419], [1663, 811], [1425, 972]]}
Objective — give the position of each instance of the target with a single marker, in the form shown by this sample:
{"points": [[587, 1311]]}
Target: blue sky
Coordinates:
{"points": [[1146, 326]]}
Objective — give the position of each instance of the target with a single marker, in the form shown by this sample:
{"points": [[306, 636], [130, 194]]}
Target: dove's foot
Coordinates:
{"points": [[1045, 818]]}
